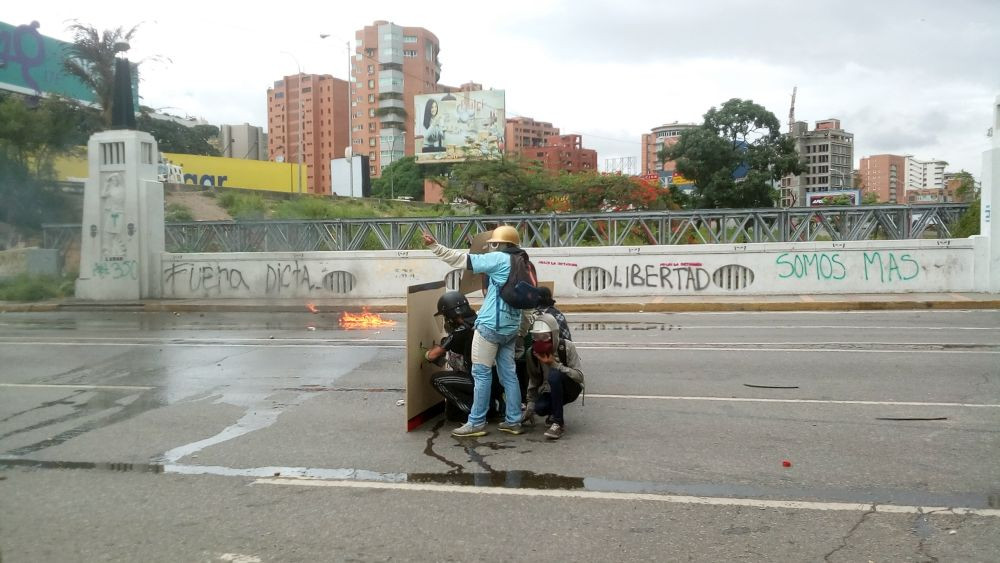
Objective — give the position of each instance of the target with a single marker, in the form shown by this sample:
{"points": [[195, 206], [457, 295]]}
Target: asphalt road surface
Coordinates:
{"points": [[250, 437]]}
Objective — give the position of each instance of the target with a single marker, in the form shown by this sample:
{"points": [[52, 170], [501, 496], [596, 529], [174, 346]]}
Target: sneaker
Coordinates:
{"points": [[528, 418], [554, 432], [514, 429], [468, 430]]}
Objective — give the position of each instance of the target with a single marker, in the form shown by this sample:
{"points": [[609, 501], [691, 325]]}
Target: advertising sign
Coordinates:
{"points": [[31, 63], [460, 126], [834, 197]]}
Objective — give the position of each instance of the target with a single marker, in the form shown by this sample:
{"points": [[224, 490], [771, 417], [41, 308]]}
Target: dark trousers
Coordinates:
{"points": [[562, 390], [457, 386]]}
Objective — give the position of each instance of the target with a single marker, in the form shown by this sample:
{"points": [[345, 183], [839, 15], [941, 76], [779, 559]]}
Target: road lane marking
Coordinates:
{"points": [[602, 495], [74, 386], [810, 401]]}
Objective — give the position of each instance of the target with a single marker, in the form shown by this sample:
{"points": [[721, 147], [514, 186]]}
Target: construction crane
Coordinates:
{"points": [[791, 111]]}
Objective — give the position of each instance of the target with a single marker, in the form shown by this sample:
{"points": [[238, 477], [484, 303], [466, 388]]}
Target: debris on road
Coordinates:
{"points": [[771, 386]]}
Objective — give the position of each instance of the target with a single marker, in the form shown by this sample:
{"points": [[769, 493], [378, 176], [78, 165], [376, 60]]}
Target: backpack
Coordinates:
{"points": [[520, 291]]}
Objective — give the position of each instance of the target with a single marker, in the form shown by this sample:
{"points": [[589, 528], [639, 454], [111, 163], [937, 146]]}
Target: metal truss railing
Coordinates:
{"points": [[736, 226]]}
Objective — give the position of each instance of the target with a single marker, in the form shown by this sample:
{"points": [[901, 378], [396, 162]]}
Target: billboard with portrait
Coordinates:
{"points": [[453, 127]]}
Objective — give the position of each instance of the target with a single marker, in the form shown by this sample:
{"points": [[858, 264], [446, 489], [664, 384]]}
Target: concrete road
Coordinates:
{"points": [[248, 437]]}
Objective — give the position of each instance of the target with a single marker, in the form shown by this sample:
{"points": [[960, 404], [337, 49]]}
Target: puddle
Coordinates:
{"points": [[621, 325], [531, 480]]}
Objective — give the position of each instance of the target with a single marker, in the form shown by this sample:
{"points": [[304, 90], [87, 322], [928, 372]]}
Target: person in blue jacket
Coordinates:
{"points": [[496, 331]]}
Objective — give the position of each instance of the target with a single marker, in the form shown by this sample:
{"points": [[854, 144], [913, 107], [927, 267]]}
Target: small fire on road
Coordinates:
{"points": [[363, 320]]}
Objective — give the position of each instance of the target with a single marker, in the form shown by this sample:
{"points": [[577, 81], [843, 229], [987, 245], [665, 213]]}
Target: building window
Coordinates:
{"points": [[371, 83], [409, 53], [371, 98], [307, 89], [409, 39], [371, 69]]}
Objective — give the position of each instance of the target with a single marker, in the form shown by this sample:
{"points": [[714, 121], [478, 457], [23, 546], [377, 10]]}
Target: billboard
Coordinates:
{"points": [[833, 197], [32, 64], [209, 171], [460, 126]]}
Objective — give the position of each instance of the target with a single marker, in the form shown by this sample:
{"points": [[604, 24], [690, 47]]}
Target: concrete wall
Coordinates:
{"points": [[36, 261], [751, 269]]}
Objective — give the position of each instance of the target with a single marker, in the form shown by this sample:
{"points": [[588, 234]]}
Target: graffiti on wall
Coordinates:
{"points": [[275, 278], [881, 266], [666, 276]]}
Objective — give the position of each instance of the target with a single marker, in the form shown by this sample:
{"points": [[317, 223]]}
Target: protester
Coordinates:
{"points": [[554, 376], [456, 384], [495, 330]]}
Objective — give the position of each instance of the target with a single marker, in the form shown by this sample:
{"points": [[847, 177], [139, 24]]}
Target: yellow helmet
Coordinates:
{"points": [[505, 233]]}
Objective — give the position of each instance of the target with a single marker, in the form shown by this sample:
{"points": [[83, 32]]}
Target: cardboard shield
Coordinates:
{"points": [[422, 401]]}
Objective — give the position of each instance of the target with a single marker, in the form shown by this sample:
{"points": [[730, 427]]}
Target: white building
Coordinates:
{"points": [[828, 153], [924, 174]]}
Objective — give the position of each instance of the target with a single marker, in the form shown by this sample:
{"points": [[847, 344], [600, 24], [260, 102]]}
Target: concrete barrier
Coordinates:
{"points": [[35, 261], [750, 269]]}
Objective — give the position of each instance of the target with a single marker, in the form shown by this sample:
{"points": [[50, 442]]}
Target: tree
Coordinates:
{"points": [[735, 156], [91, 58], [500, 186], [174, 137], [30, 138], [966, 191], [405, 177]]}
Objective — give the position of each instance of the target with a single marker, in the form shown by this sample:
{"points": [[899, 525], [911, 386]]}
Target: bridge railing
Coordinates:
{"points": [[710, 226]]}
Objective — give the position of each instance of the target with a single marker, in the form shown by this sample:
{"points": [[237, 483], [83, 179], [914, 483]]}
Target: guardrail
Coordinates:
{"points": [[883, 222]]}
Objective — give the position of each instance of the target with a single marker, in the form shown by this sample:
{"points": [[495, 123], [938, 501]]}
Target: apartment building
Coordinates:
{"points": [[828, 153], [523, 134], [391, 64], [924, 174], [564, 153], [883, 175], [307, 123], [655, 141], [243, 141]]}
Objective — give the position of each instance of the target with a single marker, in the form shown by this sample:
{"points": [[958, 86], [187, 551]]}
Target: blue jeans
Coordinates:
{"points": [[488, 346]]}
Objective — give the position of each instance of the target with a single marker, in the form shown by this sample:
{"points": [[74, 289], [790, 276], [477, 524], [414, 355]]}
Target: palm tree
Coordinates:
{"points": [[91, 58]]}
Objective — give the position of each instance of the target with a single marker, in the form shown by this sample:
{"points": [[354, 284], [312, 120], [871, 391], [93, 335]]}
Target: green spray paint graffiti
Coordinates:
{"points": [[881, 266], [889, 268], [820, 265]]}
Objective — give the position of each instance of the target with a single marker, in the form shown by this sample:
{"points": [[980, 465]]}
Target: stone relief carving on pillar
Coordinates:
{"points": [[113, 245]]}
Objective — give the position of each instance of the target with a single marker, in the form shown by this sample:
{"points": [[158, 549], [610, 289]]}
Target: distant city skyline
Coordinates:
{"points": [[905, 77]]}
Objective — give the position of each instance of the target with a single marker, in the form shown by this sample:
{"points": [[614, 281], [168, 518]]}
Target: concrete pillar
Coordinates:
{"points": [[122, 218], [989, 226]]}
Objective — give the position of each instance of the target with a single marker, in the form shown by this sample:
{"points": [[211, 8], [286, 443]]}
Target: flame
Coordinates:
{"points": [[363, 320], [312, 308]]}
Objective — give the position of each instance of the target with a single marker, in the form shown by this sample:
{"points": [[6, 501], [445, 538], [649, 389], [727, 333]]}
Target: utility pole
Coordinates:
{"points": [[349, 153], [392, 175]]}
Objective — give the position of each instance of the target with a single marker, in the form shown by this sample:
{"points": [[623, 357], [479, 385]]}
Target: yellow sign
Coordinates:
{"points": [[219, 172], [208, 171], [679, 180]]}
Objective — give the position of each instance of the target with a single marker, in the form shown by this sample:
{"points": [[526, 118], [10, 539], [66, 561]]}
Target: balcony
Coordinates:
{"points": [[392, 104]]}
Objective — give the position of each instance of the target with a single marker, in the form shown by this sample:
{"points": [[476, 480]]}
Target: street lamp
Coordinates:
{"points": [[302, 120]]}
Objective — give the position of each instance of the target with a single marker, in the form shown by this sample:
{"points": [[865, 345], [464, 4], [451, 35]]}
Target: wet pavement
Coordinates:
{"points": [[192, 435]]}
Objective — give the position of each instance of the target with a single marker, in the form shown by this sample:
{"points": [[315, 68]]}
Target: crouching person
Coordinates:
{"points": [[554, 376], [456, 384]]}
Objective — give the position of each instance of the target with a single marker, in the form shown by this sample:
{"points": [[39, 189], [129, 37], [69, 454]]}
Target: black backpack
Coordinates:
{"points": [[520, 291]]}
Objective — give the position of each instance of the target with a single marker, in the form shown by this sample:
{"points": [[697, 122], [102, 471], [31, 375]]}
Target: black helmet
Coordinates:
{"points": [[452, 304]]}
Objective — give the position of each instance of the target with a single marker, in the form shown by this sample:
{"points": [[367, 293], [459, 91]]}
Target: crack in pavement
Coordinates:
{"points": [[844, 540], [922, 529], [456, 468]]}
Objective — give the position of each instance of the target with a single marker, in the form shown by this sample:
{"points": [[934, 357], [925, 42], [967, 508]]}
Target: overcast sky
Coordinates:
{"points": [[905, 76]]}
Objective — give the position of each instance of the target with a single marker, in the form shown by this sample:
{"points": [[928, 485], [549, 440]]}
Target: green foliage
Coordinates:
{"points": [[405, 178], [31, 136], [968, 223], [174, 137], [177, 213], [322, 208], [244, 206], [26, 287], [966, 190], [869, 199], [739, 133], [91, 59]]}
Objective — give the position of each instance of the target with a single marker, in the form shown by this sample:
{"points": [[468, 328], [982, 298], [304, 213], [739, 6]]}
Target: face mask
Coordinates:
{"points": [[542, 347]]}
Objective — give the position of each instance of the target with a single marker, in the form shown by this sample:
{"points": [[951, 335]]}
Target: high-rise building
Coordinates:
{"points": [[243, 141], [924, 174], [884, 176], [564, 153], [658, 139], [524, 133], [391, 64], [828, 153], [307, 123]]}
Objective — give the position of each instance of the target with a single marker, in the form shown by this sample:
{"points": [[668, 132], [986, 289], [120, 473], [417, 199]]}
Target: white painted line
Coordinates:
{"points": [[807, 401], [72, 386], [802, 350], [602, 495]]}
